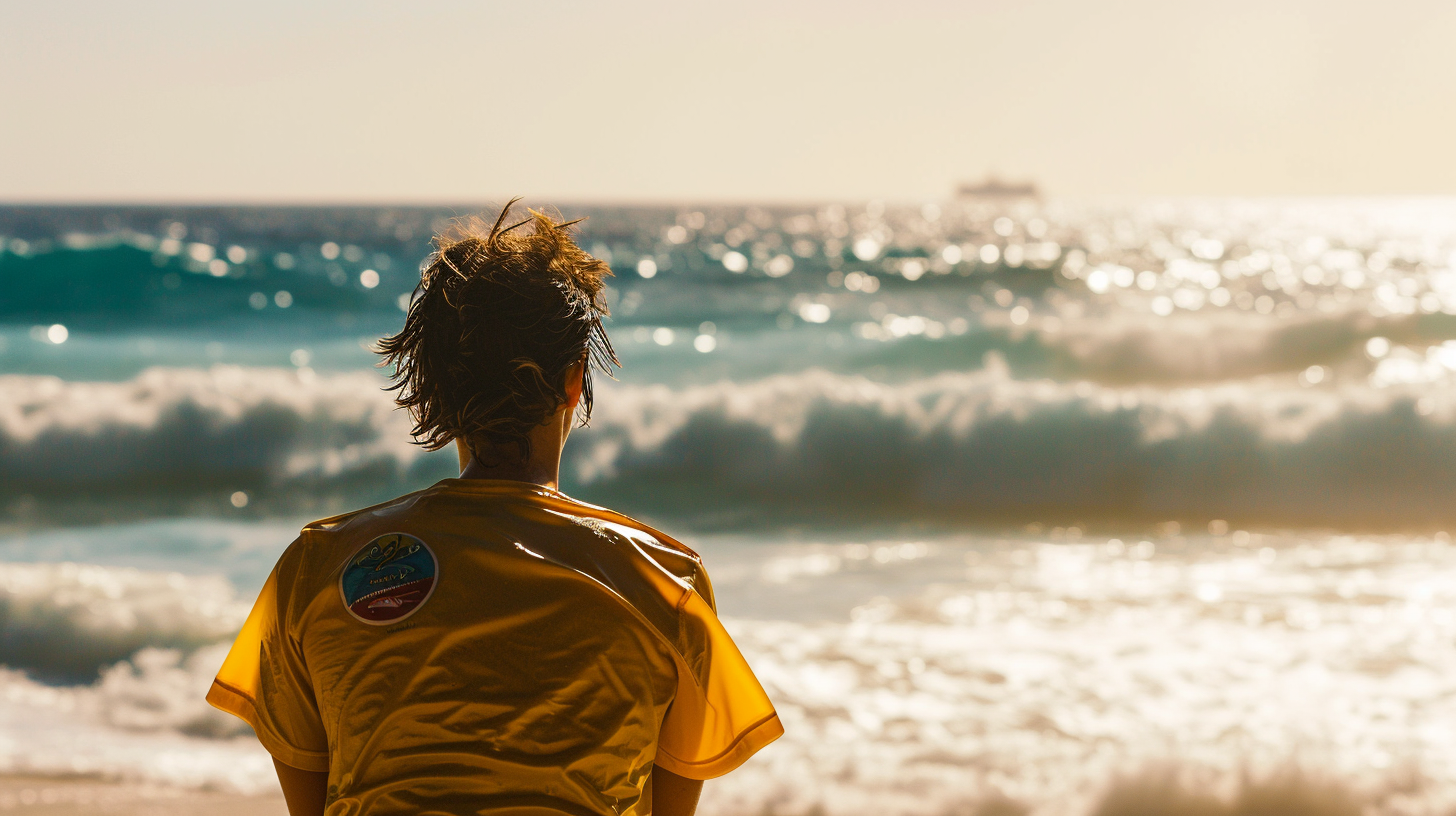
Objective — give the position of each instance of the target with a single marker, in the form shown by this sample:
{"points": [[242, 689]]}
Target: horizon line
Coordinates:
{"points": [[707, 201]]}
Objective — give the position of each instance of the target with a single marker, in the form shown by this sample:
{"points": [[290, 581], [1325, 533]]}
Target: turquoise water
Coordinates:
{"points": [[1007, 502]]}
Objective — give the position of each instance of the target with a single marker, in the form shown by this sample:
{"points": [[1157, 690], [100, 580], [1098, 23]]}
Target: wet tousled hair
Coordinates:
{"points": [[499, 316]]}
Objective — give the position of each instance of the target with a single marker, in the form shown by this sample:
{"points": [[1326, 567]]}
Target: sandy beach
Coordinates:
{"points": [[65, 796]]}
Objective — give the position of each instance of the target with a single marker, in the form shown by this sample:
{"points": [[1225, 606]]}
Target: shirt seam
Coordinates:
{"points": [[738, 740], [253, 710], [529, 488]]}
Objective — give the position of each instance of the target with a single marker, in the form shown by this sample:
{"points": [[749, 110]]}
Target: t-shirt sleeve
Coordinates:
{"points": [[721, 715], [264, 681]]}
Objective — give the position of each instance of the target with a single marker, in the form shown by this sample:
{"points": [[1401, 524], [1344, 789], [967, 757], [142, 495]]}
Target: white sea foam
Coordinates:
{"points": [[170, 423], [145, 720], [181, 432], [1042, 672], [65, 621], [1134, 348], [939, 675], [981, 444], [156, 639], [915, 675], [953, 446]]}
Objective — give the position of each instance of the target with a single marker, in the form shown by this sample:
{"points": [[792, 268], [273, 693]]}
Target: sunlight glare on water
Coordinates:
{"points": [[1039, 670], [840, 406]]}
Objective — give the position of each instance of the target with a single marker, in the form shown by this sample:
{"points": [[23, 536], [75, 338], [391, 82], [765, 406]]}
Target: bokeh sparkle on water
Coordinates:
{"points": [[1039, 670], [1005, 502]]}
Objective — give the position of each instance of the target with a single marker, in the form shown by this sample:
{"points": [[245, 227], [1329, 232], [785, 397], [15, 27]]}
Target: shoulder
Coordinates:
{"points": [[315, 566], [661, 539], [344, 522], [322, 543], [666, 552]]}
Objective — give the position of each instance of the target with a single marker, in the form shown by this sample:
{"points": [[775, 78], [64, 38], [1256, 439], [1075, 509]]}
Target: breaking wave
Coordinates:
{"points": [[981, 445], [1133, 350], [1004, 676], [172, 438], [144, 720], [64, 622], [810, 446]]}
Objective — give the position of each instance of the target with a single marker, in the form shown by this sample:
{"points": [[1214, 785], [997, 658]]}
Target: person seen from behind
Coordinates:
{"points": [[489, 645]]}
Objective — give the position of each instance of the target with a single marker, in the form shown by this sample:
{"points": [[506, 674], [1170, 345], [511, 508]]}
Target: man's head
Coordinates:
{"points": [[501, 319]]}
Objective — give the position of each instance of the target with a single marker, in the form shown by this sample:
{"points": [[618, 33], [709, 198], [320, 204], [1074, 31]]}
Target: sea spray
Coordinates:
{"points": [[955, 447]]}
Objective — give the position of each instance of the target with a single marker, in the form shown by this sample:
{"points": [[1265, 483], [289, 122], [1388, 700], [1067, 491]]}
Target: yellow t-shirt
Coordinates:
{"points": [[492, 647]]}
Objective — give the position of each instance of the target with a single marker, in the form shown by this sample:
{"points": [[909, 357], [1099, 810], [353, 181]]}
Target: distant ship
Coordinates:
{"points": [[996, 189]]}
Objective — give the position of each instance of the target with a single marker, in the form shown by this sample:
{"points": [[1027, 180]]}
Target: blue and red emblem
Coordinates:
{"points": [[388, 579]]}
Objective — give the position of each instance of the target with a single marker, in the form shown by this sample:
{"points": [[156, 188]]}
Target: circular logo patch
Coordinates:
{"points": [[388, 578]]}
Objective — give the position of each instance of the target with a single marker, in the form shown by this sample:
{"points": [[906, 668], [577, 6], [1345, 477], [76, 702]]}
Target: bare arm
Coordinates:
{"points": [[674, 795], [304, 791]]}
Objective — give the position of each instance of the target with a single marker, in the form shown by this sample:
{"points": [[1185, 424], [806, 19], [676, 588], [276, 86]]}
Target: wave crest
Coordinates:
{"points": [[66, 621], [172, 435], [981, 445], [812, 446]]}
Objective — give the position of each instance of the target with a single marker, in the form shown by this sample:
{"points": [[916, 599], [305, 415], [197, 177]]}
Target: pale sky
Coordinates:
{"points": [[638, 100]]}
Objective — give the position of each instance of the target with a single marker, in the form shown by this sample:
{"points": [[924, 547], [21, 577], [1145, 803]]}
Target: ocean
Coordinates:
{"points": [[1063, 507]]}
